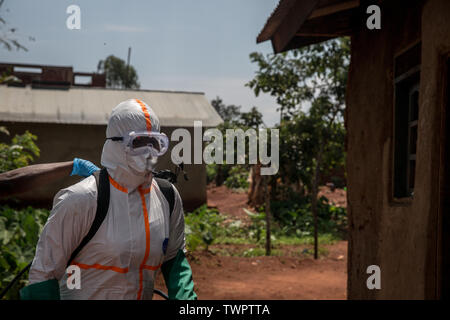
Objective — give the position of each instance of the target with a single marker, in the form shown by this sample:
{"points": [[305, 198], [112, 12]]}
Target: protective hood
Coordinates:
{"points": [[129, 171]]}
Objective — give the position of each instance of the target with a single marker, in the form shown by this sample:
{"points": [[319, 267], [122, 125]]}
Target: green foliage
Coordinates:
{"points": [[19, 153], [118, 74], [202, 227], [309, 86], [19, 233], [303, 75], [228, 113], [233, 117], [293, 217], [237, 178], [235, 232], [234, 176], [252, 119], [257, 229], [211, 173], [301, 139], [324, 238], [257, 252]]}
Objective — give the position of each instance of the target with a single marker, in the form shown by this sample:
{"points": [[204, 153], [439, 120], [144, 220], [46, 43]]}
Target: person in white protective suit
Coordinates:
{"points": [[138, 236]]}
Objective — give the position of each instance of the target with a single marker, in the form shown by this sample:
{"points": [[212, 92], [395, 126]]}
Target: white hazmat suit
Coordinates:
{"points": [[137, 236]]}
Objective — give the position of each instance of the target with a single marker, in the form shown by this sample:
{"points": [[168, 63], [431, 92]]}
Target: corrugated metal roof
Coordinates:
{"points": [[93, 105]]}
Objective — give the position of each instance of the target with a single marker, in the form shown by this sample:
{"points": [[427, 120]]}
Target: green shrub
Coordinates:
{"points": [[294, 217], [19, 233], [19, 153], [237, 178], [202, 227], [211, 172], [257, 229], [217, 173]]}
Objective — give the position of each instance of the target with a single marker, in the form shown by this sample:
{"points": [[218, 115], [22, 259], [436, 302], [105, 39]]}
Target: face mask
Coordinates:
{"points": [[141, 165]]}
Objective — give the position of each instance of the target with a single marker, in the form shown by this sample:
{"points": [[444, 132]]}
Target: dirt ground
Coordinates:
{"points": [[275, 277], [228, 202], [337, 196], [231, 203], [293, 275]]}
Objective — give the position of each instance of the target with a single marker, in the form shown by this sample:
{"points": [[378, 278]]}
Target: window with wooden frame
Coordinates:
{"points": [[406, 116]]}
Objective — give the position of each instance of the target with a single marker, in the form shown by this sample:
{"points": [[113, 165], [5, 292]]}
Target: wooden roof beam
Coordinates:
{"points": [[325, 11], [292, 23]]}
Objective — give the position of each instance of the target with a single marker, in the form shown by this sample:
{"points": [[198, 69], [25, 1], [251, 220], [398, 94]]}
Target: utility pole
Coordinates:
{"points": [[127, 81]]}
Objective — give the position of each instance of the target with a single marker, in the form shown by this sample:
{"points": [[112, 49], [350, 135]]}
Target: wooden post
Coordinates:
{"points": [[267, 207], [315, 192]]}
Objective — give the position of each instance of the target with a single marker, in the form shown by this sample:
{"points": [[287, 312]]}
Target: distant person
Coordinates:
{"points": [[138, 235]]}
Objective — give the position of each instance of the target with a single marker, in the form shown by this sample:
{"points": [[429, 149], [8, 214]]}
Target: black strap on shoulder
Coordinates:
{"points": [[102, 181], [167, 190]]}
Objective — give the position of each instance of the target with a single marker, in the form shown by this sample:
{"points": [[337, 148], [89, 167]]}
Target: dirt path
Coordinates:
{"points": [[279, 278], [271, 277], [292, 276], [228, 202], [232, 203]]}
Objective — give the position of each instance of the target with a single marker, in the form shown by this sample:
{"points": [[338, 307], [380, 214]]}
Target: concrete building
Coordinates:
{"points": [[71, 122], [398, 127]]}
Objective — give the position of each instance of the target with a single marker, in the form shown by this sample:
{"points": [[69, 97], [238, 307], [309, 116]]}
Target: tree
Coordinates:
{"points": [[257, 190], [311, 141], [118, 74], [228, 113], [7, 34], [252, 119], [233, 119]]}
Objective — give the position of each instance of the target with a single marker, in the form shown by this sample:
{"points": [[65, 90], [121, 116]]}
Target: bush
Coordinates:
{"points": [[294, 217], [19, 233], [237, 178], [202, 227], [257, 229], [233, 232], [233, 176], [211, 172], [19, 229], [19, 153]]}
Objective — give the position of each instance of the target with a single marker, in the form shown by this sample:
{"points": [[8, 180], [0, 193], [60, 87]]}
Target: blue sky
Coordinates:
{"points": [[190, 45]]}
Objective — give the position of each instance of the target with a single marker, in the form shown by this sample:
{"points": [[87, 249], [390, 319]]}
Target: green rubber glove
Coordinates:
{"points": [[45, 290], [178, 277]]}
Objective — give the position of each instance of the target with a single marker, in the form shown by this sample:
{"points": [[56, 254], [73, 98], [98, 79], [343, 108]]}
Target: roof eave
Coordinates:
{"points": [[297, 23]]}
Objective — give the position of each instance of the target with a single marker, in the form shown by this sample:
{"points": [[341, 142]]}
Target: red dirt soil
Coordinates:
{"points": [[291, 276], [337, 196], [228, 202]]}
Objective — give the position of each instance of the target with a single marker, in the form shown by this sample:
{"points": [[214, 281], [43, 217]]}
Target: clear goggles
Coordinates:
{"points": [[138, 143]]}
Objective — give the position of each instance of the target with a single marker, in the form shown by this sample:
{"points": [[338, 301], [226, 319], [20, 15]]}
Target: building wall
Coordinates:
{"points": [[400, 237], [63, 142]]}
